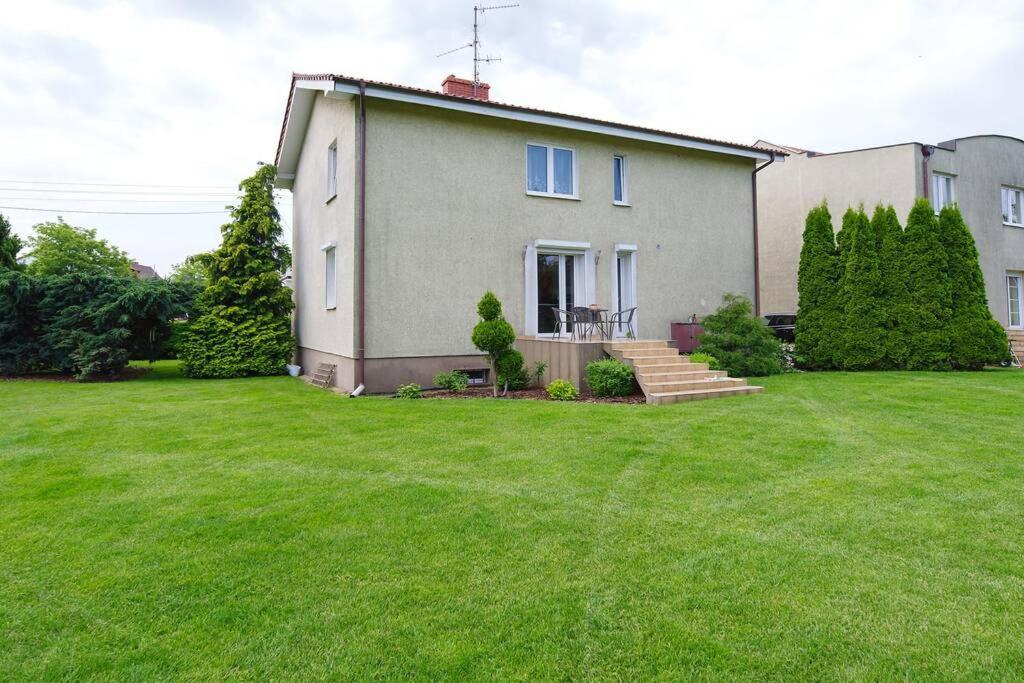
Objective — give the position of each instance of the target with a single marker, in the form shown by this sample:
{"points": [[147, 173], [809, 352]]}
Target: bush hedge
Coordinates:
{"points": [[610, 377], [453, 381], [742, 343]]}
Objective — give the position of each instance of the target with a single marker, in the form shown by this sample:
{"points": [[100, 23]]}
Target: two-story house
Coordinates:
{"points": [[409, 204]]}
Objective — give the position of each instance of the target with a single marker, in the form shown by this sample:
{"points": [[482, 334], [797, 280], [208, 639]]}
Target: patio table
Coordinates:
{"points": [[591, 317]]}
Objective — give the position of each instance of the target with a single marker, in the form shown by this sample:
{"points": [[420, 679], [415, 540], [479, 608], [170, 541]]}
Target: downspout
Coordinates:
{"points": [[757, 255], [926, 154], [361, 238]]}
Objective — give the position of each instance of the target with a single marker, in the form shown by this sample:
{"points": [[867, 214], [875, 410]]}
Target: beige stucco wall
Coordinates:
{"points": [[448, 218], [317, 221], [982, 165], [786, 192]]}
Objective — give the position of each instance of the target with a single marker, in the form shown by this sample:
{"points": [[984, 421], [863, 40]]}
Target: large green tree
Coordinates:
{"points": [[817, 281], [10, 244], [244, 326], [893, 297], [193, 270], [929, 301], [975, 338], [861, 346], [62, 249]]}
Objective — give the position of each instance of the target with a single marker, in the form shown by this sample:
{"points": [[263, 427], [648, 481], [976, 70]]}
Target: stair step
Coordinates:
{"points": [[632, 354], [665, 398], [666, 365], [634, 345], [695, 385], [649, 377]]}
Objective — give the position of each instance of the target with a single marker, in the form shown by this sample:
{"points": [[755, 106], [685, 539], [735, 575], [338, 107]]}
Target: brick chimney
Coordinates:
{"points": [[463, 88]]}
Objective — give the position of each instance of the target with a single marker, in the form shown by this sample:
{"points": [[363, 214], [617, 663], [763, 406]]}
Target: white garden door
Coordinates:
{"points": [[1015, 296], [624, 295]]}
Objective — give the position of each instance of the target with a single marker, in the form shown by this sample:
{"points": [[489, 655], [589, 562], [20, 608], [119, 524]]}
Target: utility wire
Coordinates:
{"points": [[113, 201], [167, 192], [126, 213], [71, 182]]}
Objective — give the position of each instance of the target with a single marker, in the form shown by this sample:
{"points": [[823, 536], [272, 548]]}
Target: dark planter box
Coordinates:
{"points": [[686, 335]]}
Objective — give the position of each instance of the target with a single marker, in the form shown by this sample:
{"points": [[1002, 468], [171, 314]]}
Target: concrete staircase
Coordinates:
{"points": [[1017, 343], [667, 377]]}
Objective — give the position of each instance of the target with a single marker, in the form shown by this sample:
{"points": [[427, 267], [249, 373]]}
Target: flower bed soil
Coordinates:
{"points": [[532, 394]]}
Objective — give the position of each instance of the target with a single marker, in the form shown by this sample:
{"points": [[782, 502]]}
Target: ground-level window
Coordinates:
{"points": [[332, 170], [330, 277], [943, 194], [1013, 207], [1015, 296], [620, 192], [551, 170], [476, 376]]}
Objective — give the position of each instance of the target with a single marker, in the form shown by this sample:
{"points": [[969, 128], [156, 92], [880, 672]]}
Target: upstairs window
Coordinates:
{"points": [[1013, 206], [620, 192], [332, 170], [942, 191], [551, 171], [330, 277]]}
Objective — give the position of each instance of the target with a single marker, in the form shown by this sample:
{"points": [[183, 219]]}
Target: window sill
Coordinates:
{"points": [[1013, 225], [331, 198], [626, 204], [552, 195], [330, 308]]}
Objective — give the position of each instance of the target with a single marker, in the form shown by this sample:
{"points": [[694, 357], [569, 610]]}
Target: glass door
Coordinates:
{"points": [[556, 288], [1015, 296], [625, 294]]}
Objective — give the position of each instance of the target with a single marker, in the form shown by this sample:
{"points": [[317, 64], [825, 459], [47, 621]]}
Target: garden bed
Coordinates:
{"points": [[532, 394]]}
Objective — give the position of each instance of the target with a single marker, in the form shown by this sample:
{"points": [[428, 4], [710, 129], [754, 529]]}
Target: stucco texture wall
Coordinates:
{"points": [[448, 218]]}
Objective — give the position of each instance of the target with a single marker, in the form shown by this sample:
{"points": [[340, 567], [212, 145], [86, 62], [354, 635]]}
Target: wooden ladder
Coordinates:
{"points": [[323, 375]]}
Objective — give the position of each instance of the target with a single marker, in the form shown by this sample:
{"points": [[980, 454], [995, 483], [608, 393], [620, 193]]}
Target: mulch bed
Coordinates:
{"points": [[533, 394], [123, 376]]}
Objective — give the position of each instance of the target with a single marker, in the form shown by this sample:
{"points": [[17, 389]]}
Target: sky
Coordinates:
{"points": [[166, 106]]}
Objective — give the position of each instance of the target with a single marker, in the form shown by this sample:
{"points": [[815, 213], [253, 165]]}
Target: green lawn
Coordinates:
{"points": [[844, 526]]}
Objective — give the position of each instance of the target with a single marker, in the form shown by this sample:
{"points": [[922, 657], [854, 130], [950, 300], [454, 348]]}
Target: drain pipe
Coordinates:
{"points": [[361, 237], [757, 256], [926, 153]]}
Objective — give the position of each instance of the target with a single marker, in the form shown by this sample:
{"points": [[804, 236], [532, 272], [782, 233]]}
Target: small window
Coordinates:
{"points": [[1013, 206], [332, 170], [620, 193], [330, 278], [550, 171], [942, 191], [476, 377]]}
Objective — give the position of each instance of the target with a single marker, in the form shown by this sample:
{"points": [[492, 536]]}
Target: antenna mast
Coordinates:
{"points": [[477, 59]]}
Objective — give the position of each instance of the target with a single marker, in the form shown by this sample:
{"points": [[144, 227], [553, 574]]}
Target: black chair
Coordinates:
{"points": [[623, 319], [564, 320]]}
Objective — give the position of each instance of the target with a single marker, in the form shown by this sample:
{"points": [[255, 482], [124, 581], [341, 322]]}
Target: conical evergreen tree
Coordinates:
{"points": [[244, 326], [976, 339], [928, 295], [843, 238], [817, 281], [10, 245], [861, 346], [893, 297]]}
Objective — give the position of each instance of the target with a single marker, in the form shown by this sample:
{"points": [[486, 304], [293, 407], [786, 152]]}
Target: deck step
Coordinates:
{"points": [[649, 377], [635, 354], [665, 365], [635, 345], [665, 398], [695, 385], [323, 375]]}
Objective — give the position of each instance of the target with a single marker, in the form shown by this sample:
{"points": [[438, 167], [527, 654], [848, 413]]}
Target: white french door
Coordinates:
{"points": [[1015, 298], [559, 278], [624, 288]]}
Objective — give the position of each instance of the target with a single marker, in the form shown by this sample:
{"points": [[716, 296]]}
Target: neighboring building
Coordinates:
{"points": [[457, 195], [983, 175], [144, 272]]}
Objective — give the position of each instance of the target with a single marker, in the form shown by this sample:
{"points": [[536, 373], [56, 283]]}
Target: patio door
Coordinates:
{"points": [[1015, 297], [557, 284], [624, 287]]}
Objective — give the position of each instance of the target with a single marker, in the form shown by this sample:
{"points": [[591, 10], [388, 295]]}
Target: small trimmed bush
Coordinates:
{"points": [[454, 381], [411, 390], [511, 371], [609, 377], [741, 342], [562, 390], [701, 357]]}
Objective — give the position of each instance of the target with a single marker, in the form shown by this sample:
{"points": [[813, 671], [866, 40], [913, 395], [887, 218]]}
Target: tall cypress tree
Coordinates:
{"points": [[861, 346], [817, 281], [928, 300], [244, 326], [976, 339], [893, 297]]}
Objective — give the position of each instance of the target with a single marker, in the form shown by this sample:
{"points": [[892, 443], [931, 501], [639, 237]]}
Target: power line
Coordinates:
{"points": [[167, 192], [72, 182], [126, 213], [113, 201]]}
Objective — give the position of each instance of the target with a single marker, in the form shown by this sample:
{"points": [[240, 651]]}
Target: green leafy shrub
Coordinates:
{"points": [[539, 368], [862, 343], [817, 283], [700, 357], [512, 373], [21, 324], [742, 343], [216, 347], [494, 336], [562, 390], [929, 296], [453, 381], [609, 377], [411, 390]]}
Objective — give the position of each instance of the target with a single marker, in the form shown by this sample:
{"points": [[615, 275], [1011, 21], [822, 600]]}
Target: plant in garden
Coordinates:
{"points": [[817, 281], [862, 344], [453, 381], [892, 300], [539, 368], [929, 298], [10, 245], [562, 390], [975, 338], [493, 334], [21, 323], [244, 326], [512, 373], [742, 343], [62, 249], [193, 270], [609, 377], [411, 390], [699, 357]]}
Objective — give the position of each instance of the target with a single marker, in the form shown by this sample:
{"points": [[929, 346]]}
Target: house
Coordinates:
{"points": [[982, 174], [143, 272], [409, 204]]}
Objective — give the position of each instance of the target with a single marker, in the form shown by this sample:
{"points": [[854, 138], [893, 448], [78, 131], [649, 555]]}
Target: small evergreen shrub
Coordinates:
{"points": [[453, 381], [562, 390], [494, 336], [411, 390], [700, 357], [539, 368], [609, 377], [511, 370], [742, 343]]}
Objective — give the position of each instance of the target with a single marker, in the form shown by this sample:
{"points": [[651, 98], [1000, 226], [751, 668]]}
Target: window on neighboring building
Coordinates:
{"points": [[550, 170], [620, 185], [330, 277], [942, 191], [1013, 206], [1015, 297], [332, 169]]}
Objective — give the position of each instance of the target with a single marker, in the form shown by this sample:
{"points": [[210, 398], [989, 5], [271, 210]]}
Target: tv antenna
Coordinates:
{"points": [[477, 59]]}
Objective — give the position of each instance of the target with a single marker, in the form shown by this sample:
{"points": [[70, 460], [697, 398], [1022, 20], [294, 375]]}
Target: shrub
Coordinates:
{"points": [[216, 347], [452, 381], [539, 368], [609, 377], [928, 295], [699, 357], [411, 390], [894, 285], [562, 390], [511, 372], [494, 336], [742, 343], [817, 281], [861, 345]]}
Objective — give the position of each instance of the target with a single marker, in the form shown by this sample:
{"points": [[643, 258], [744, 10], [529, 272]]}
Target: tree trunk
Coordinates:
{"points": [[494, 377]]}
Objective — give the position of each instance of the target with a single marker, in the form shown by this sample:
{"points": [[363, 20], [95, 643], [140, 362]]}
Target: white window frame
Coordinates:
{"points": [[1019, 277], [1004, 196], [624, 169], [332, 170], [330, 251], [948, 181], [629, 250], [551, 171], [585, 290]]}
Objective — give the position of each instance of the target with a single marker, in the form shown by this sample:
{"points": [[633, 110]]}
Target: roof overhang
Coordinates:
{"points": [[304, 92]]}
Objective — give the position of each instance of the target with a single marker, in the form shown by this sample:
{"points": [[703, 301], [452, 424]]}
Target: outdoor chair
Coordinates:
{"points": [[624, 319], [565, 320]]}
